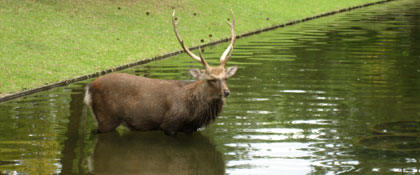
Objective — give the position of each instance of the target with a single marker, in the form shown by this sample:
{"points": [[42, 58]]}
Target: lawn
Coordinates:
{"points": [[46, 41]]}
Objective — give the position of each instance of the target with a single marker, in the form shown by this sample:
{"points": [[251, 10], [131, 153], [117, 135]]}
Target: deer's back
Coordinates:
{"points": [[136, 99]]}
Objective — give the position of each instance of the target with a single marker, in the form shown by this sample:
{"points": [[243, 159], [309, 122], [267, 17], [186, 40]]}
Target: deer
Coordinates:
{"points": [[172, 106]]}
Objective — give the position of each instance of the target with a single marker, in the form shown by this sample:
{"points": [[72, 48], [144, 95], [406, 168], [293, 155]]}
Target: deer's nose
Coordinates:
{"points": [[227, 93]]}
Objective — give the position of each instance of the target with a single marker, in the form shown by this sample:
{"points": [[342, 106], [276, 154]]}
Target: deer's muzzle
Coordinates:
{"points": [[226, 93]]}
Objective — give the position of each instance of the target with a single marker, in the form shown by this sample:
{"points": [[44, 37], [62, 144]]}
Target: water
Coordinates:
{"points": [[334, 95]]}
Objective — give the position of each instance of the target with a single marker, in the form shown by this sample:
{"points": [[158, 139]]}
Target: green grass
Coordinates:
{"points": [[46, 41]]}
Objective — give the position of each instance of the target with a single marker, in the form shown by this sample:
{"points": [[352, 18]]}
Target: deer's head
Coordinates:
{"points": [[214, 77]]}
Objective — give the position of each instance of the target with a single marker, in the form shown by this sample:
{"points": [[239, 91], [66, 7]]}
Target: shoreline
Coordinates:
{"points": [[167, 55]]}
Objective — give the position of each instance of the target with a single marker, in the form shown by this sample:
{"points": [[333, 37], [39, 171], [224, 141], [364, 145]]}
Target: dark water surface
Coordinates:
{"points": [[334, 95]]}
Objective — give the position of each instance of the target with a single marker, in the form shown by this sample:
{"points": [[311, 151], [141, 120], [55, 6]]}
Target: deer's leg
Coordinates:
{"points": [[106, 121], [169, 130], [108, 125], [171, 126], [189, 128]]}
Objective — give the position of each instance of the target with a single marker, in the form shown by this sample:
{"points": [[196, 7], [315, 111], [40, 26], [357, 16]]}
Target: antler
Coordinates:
{"points": [[199, 59], [203, 61], [228, 52]]}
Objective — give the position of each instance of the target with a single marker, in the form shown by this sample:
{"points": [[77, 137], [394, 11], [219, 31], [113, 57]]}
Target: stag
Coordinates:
{"points": [[172, 106]]}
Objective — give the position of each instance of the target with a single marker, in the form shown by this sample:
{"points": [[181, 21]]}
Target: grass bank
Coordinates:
{"points": [[46, 41]]}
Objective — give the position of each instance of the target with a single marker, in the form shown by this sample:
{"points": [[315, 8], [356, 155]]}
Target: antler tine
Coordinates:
{"points": [[203, 61], [228, 52], [182, 42]]}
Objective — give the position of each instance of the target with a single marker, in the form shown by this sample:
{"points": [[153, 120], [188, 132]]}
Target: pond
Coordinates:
{"points": [[335, 95]]}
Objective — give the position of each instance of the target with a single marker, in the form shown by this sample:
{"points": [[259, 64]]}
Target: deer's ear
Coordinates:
{"points": [[231, 71], [195, 73]]}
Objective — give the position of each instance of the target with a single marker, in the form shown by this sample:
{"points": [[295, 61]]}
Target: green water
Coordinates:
{"points": [[337, 95]]}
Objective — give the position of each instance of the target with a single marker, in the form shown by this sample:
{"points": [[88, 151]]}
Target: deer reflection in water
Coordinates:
{"points": [[153, 153]]}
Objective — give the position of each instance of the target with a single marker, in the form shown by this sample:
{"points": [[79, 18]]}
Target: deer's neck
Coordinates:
{"points": [[204, 106]]}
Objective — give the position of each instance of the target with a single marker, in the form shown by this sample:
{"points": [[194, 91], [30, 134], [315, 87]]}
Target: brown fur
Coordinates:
{"points": [[169, 105], [152, 104]]}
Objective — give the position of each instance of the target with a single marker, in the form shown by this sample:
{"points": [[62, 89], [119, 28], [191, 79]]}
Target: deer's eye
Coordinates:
{"points": [[212, 82]]}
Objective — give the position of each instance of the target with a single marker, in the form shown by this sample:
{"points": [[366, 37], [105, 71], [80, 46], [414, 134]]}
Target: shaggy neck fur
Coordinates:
{"points": [[204, 107]]}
